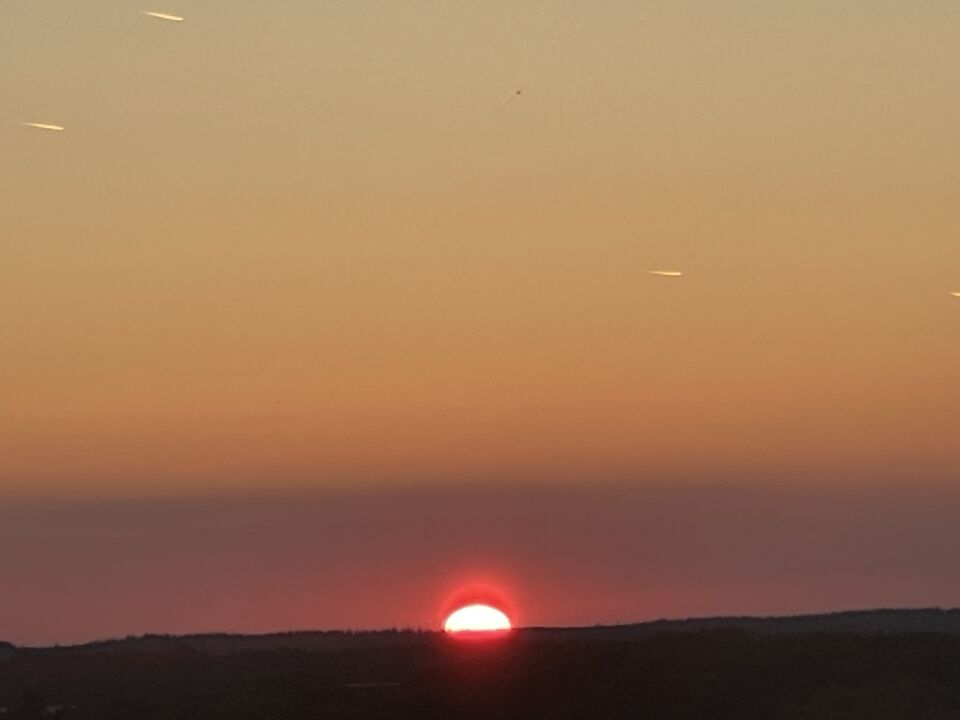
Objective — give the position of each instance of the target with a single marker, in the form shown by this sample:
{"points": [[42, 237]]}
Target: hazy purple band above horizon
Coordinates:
{"points": [[80, 571]]}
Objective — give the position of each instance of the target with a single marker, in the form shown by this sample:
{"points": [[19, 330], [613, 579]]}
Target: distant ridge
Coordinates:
{"points": [[862, 622], [229, 643], [870, 665]]}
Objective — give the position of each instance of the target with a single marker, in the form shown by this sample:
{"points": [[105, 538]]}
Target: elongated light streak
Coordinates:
{"points": [[163, 16], [44, 126]]}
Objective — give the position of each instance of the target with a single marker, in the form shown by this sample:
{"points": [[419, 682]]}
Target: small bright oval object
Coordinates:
{"points": [[44, 126], [477, 618], [163, 16]]}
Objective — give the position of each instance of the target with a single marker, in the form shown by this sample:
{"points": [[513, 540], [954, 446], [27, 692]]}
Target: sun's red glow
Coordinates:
{"points": [[477, 618]]}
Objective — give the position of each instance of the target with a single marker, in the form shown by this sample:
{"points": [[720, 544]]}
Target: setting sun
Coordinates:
{"points": [[477, 618]]}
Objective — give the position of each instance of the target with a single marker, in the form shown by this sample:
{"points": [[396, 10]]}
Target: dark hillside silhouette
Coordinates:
{"points": [[876, 665]]}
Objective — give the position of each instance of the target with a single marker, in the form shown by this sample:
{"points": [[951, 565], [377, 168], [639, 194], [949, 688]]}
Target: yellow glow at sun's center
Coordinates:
{"points": [[477, 618]]}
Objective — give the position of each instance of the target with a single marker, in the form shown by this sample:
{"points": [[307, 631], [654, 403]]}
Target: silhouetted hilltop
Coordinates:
{"points": [[863, 621], [874, 665], [6, 649], [927, 620], [226, 643]]}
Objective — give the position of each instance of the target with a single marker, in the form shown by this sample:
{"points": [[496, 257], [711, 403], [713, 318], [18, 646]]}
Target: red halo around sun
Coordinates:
{"points": [[478, 613]]}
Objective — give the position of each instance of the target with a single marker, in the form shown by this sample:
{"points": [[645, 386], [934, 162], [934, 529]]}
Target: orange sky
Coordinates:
{"points": [[326, 245]]}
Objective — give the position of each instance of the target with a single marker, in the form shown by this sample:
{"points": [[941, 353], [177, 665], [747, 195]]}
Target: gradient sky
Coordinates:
{"points": [[326, 247]]}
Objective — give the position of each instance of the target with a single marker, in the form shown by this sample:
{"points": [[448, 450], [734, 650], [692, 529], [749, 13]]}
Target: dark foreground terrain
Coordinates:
{"points": [[872, 665]]}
